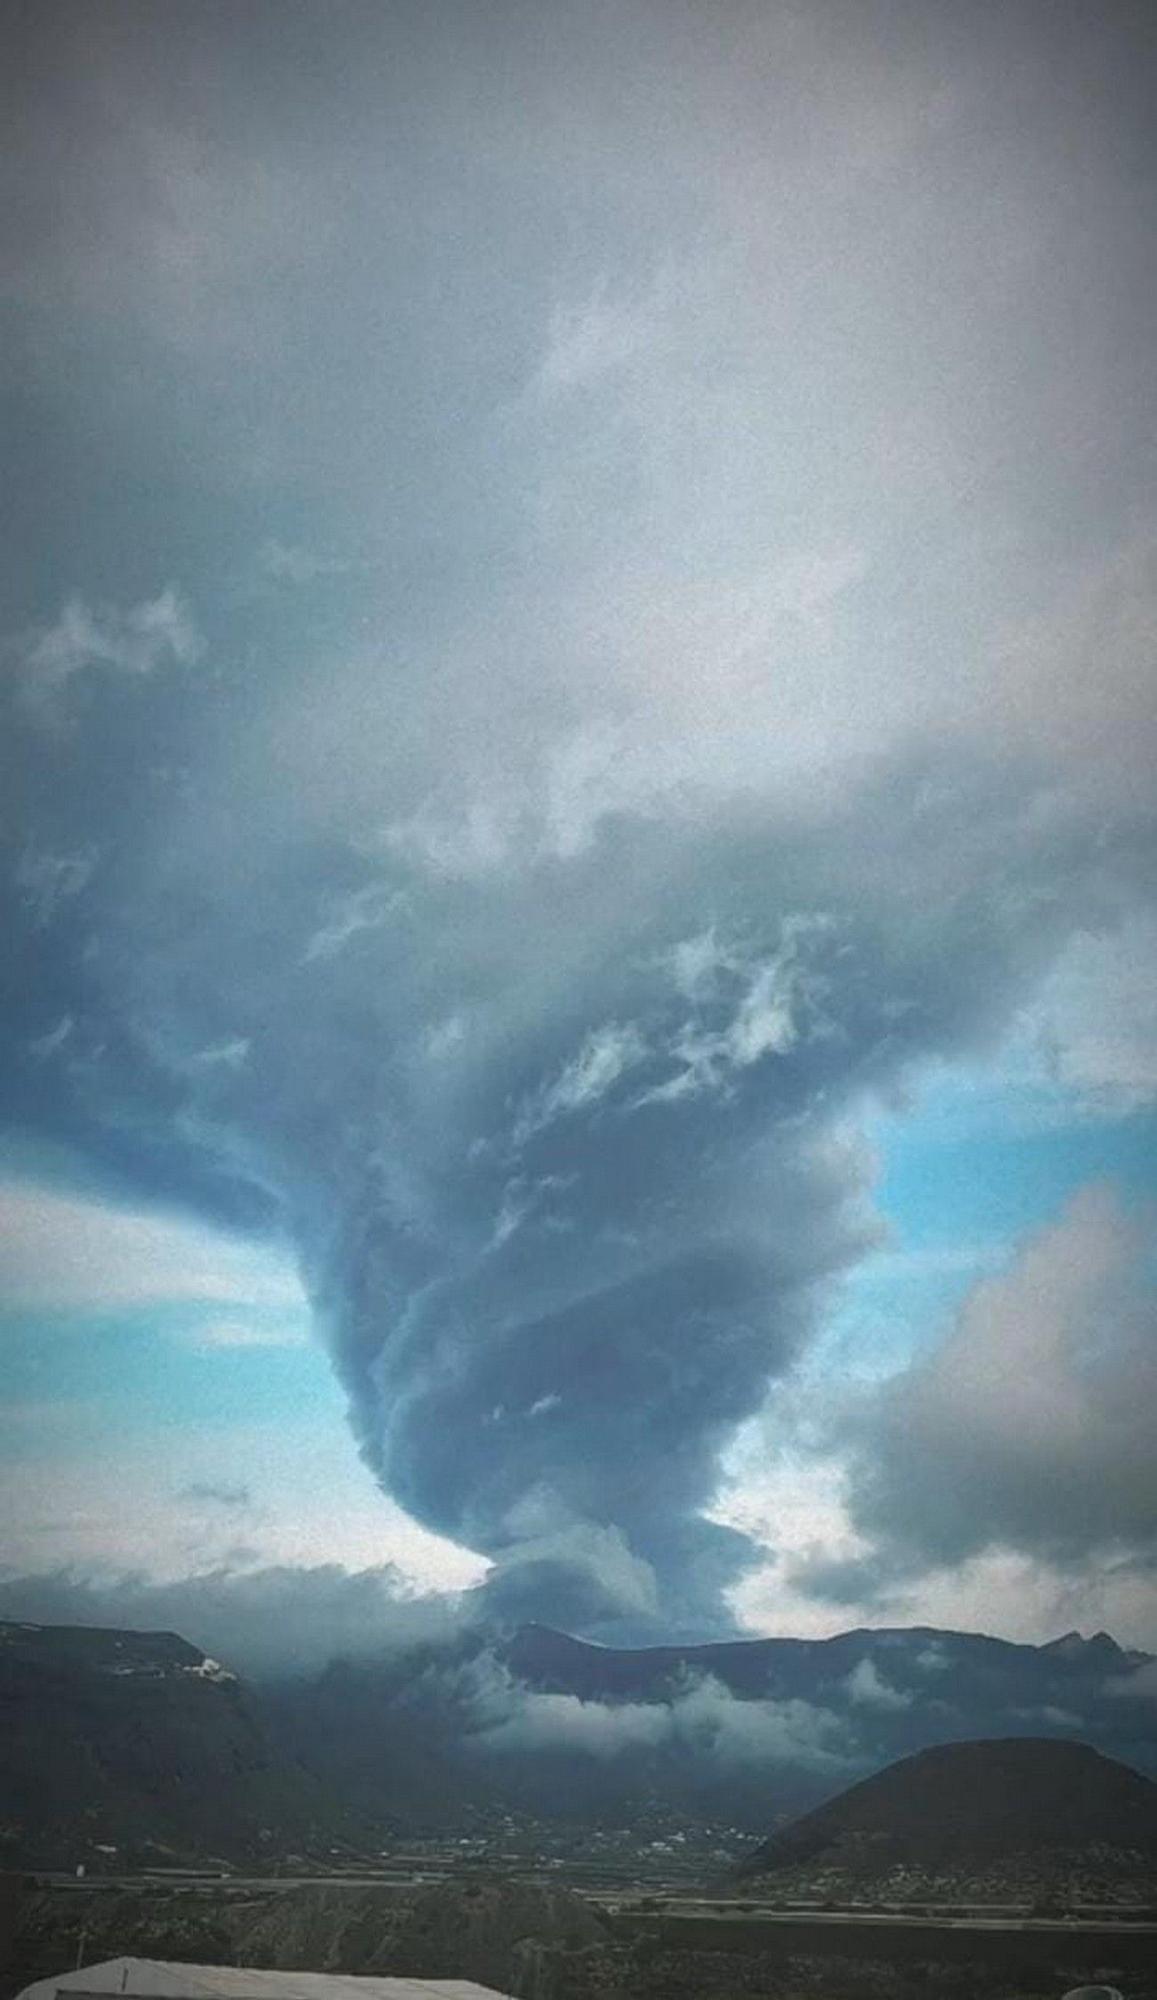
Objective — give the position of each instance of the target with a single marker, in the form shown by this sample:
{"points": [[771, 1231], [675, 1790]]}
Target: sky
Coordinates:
{"points": [[577, 620]]}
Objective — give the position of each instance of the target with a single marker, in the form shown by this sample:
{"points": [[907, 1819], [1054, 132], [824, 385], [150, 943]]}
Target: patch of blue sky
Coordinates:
{"points": [[981, 1157], [132, 1373], [967, 1163]]}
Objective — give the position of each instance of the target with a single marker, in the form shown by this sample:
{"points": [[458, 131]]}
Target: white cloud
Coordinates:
{"points": [[608, 1053], [775, 1002], [1032, 1425], [867, 1688], [361, 910], [1138, 1685], [62, 1498], [697, 962], [290, 563], [53, 1040], [599, 335], [230, 1054], [61, 1251], [157, 631], [1096, 1021], [703, 1718]]}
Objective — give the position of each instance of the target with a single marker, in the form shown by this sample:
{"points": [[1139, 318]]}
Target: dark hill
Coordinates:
{"points": [[966, 1806], [116, 1744]]}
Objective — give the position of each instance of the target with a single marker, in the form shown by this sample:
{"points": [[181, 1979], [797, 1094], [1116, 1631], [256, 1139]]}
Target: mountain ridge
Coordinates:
{"points": [[561, 1662], [121, 1740]]}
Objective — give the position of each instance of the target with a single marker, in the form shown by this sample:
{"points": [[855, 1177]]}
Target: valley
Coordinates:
{"points": [[156, 1805]]}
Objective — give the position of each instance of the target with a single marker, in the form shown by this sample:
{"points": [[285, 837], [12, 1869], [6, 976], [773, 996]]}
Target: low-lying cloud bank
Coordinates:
{"points": [[418, 1700], [443, 1670], [263, 1623], [703, 1720]]}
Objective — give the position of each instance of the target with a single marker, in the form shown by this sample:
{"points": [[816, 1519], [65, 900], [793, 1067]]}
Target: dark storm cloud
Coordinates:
{"points": [[557, 1141], [670, 737]]}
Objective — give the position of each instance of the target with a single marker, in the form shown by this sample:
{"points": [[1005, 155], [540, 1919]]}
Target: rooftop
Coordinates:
{"points": [[155, 1979]]}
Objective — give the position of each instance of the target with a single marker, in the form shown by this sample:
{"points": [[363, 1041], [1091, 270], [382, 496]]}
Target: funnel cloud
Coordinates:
{"points": [[582, 625]]}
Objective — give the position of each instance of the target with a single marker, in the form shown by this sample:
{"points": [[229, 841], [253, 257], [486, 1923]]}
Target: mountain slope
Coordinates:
{"points": [[915, 1660], [127, 1741], [899, 1690], [134, 1741]]}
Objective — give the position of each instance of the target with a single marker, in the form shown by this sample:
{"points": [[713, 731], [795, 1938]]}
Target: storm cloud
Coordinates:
{"points": [[702, 679], [1031, 1427], [560, 1253]]}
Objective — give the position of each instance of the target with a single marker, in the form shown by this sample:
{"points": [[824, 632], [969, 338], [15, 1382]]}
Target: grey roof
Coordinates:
{"points": [[156, 1979]]}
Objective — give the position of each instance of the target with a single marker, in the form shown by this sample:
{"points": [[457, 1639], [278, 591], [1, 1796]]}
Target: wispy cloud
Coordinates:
{"points": [[363, 909], [600, 334], [290, 563], [46, 880], [157, 631], [607, 1054]]}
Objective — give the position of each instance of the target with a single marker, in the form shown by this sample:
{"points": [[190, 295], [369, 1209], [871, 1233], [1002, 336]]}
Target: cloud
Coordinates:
{"points": [[703, 1722], [290, 563], [68, 1462], [153, 633], [43, 1047], [745, 713], [232, 1052], [575, 1574], [625, 1192], [1094, 1020], [260, 1622], [1138, 1685], [361, 910], [602, 334], [607, 1053], [47, 880], [60, 1251], [868, 1689], [1030, 1428]]}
